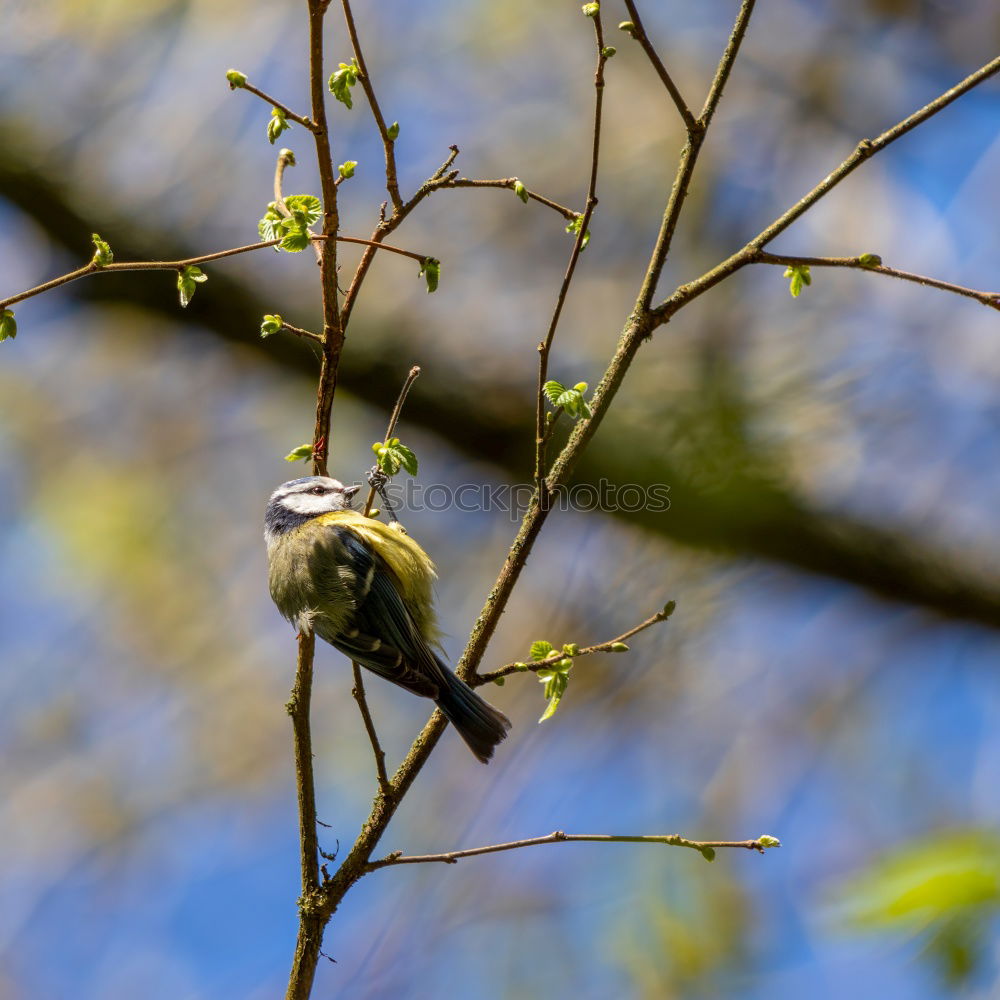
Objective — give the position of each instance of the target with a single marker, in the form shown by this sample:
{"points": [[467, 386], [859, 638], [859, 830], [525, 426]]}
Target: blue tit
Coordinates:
{"points": [[365, 587]]}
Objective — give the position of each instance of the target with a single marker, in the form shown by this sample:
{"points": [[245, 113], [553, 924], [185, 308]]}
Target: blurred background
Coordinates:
{"points": [[830, 675]]}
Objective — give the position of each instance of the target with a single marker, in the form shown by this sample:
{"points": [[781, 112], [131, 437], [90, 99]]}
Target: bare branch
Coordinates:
{"points": [[725, 66], [508, 183], [706, 848], [553, 658], [359, 696], [639, 34], [991, 299]]}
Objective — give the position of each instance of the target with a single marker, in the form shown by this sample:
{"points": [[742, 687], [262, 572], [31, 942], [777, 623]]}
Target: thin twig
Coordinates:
{"points": [[385, 786], [391, 182], [379, 245], [138, 265], [555, 657], [545, 347], [285, 111], [864, 150], [508, 183], [991, 299], [705, 847], [299, 332], [639, 34]]}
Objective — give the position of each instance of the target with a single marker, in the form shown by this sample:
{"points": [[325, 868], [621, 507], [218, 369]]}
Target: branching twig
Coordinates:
{"points": [[285, 111], [556, 656], [706, 847], [991, 299], [639, 34], [391, 183], [508, 183]]}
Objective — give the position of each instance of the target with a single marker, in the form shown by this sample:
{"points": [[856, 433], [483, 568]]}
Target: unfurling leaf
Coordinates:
{"points": [[269, 226], [765, 840], [305, 208], [271, 325], [870, 260], [799, 276], [277, 125], [553, 390], [187, 282], [540, 649], [591, 9], [570, 400], [556, 680], [342, 80], [521, 191], [8, 325], [574, 227], [346, 169], [393, 131], [608, 51], [301, 454], [236, 79], [430, 268], [102, 254], [391, 456]]}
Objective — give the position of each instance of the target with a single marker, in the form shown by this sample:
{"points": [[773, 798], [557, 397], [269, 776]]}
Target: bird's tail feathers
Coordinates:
{"points": [[478, 723]]}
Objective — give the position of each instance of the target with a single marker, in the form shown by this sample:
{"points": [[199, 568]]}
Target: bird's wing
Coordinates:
{"points": [[382, 635]]}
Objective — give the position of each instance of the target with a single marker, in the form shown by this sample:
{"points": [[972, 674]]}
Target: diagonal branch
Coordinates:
{"points": [[706, 847], [867, 262], [638, 32], [391, 182], [285, 111], [553, 658]]}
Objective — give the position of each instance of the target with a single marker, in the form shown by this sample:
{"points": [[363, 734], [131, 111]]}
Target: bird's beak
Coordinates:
{"points": [[349, 491]]}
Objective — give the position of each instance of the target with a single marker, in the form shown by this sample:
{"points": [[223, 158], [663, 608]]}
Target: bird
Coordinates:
{"points": [[364, 587]]}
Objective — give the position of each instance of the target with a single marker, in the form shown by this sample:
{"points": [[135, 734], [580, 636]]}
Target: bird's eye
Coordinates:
{"points": [[318, 491]]}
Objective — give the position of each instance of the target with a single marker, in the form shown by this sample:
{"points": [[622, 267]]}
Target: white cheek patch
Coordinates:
{"points": [[309, 503]]}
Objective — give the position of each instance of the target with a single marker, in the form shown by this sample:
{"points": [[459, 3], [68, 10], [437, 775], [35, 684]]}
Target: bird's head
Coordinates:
{"points": [[299, 500]]}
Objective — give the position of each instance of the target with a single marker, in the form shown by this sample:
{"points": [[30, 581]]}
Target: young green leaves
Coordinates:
{"points": [[590, 9], [430, 268], [8, 325], [271, 324], [303, 453], [391, 456], [102, 252], [570, 400], [277, 125], [293, 230], [346, 169], [798, 275], [342, 80], [556, 676], [870, 260], [521, 191], [188, 279], [236, 79], [574, 227]]}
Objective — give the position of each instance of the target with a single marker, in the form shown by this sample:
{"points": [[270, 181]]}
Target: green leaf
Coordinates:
{"points": [[870, 260], [574, 227], [766, 840], [277, 125], [269, 226], [430, 268], [102, 254], [708, 853], [342, 80], [608, 51], [187, 282], [799, 276], [346, 169], [407, 458], [271, 325], [8, 325], [556, 680], [540, 649], [553, 390], [296, 238], [619, 647], [571, 649], [393, 131], [301, 454], [521, 191], [236, 79], [308, 206], [591, 9]]}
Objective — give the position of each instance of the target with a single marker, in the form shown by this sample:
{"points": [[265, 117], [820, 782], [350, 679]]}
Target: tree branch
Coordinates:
{"points": [[555, 657], [285, 111], [508, 183], [865, 263], [638, 32], [865, 149], [706, 848], [545, 347], [391, 183]]}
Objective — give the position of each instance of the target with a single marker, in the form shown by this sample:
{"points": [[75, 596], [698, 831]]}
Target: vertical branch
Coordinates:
{"points": [[333, 331], [545, 347]]}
